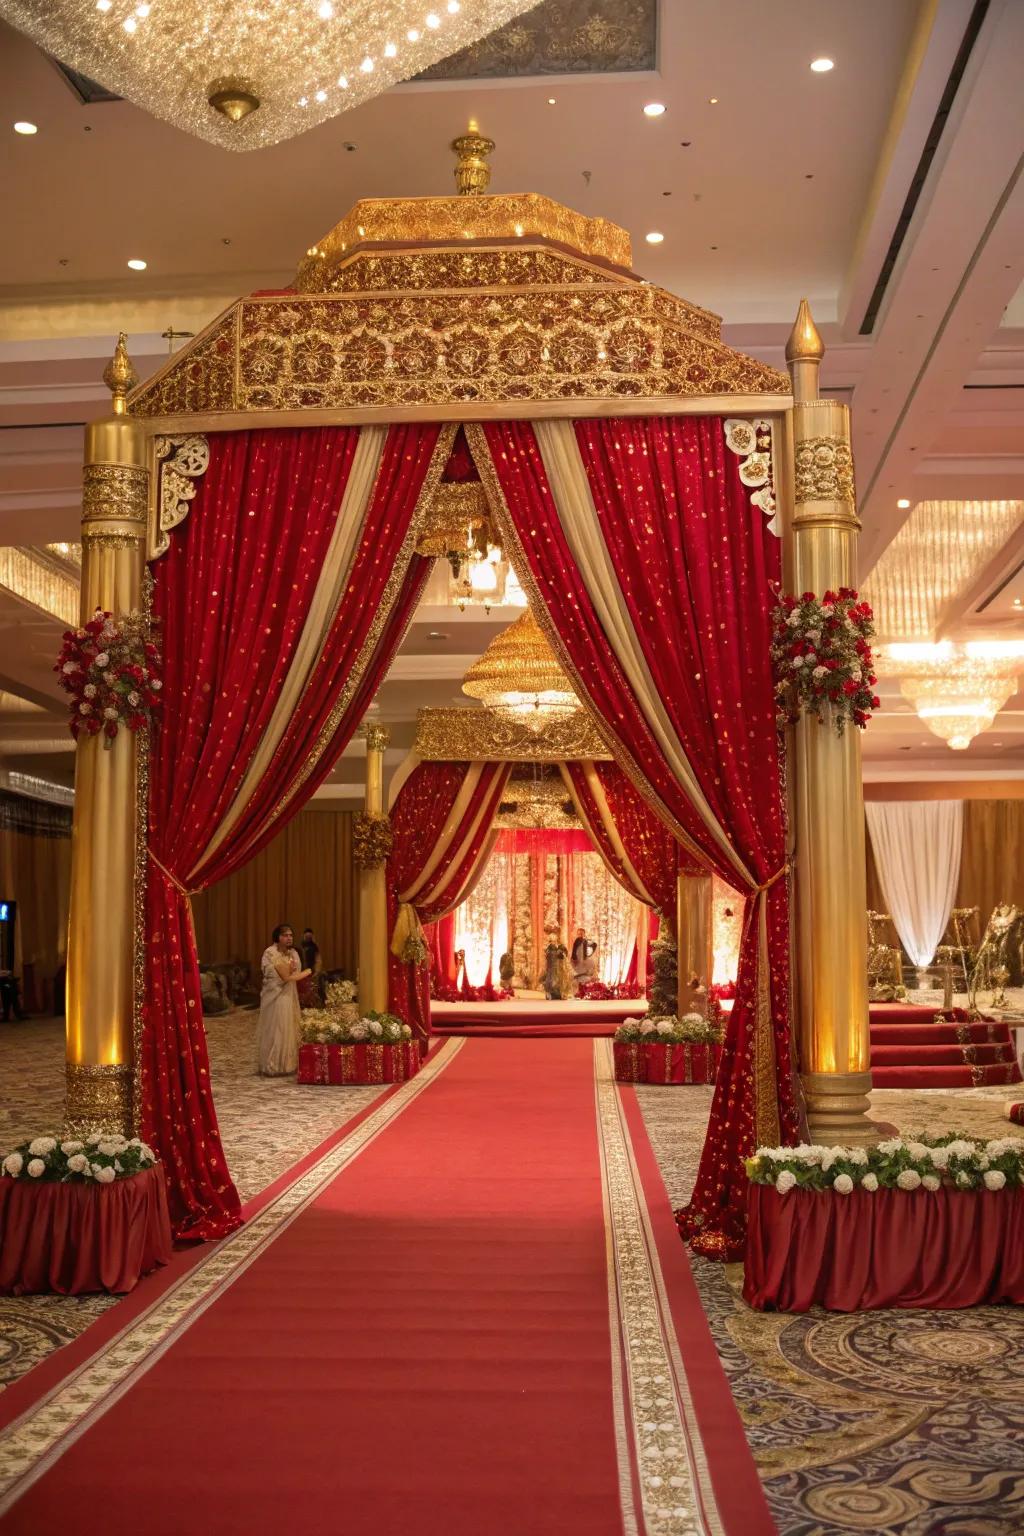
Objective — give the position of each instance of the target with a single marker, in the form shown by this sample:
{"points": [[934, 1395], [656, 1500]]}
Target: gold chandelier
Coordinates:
{"points": [[245, 76], [518, 676], [957, 691]]}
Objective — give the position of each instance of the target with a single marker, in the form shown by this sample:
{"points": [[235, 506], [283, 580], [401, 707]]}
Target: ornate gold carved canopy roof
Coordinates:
{"points": [[459, 308], [482, 735]]}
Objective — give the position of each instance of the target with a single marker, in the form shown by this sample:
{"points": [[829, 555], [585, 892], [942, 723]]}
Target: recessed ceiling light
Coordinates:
{"points": [[712, 101], [654, 237], [26, 128], [822, 66], [654, 109], [551, 101], [1018, 602], [137, 264], [903, 503], [436, 634]]}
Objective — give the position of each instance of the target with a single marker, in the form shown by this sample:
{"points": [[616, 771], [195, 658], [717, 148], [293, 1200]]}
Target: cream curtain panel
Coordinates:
{"points": [[917, 846]]}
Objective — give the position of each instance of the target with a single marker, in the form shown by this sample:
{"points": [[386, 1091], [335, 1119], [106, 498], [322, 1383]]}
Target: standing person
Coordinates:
{"points": [[277, 1038], [584, 953], [311, 991]]}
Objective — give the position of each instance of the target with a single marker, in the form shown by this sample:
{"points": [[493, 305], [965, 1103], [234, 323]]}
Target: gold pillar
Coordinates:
{"points": [[100, 993], [373, 902], [831, 896], [693, 936]]}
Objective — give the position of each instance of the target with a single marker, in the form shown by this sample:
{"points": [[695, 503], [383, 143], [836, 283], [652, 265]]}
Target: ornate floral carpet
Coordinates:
{"points": [[903, 1423]]}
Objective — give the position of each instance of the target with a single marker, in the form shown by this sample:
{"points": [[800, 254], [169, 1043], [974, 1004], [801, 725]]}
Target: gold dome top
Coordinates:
{"points": [[804, 339], [518, 673]]}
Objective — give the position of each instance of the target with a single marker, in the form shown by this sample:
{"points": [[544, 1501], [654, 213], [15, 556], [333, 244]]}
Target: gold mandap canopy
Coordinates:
{"points": [[464, 308]]}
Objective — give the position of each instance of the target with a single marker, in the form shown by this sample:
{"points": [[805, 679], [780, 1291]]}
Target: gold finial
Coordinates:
{"points": [[472, 173], [119, 376], [804, 341], [233, 97]]}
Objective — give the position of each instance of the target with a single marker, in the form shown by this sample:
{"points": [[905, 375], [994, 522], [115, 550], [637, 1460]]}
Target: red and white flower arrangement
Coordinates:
{"points": [[821, 656], [110, 670]]}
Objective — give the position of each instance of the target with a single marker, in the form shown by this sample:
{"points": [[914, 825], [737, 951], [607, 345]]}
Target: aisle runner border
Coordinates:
{"points": [[673, 1477], [31, 1444]]}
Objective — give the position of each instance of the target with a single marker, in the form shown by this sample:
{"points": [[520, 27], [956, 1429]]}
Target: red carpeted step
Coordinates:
{"points": [[946, 1055], [945, 1077], [937, 1034]]}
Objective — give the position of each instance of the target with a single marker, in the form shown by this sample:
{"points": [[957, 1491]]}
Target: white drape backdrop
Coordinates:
{"points": [[917, 851]]}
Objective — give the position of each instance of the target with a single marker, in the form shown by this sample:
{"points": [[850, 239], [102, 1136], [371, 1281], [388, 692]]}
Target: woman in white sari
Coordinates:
{"points": [[277, 1039]]}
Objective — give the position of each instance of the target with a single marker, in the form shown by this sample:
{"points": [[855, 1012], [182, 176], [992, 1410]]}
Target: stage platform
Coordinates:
{"points": [[534, 1016]]}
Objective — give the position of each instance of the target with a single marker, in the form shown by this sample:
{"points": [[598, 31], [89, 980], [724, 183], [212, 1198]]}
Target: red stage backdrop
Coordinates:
{"points": [[281, 602], [653, 575]]}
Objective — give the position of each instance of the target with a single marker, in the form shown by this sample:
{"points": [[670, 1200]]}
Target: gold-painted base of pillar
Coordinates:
{"points": [[837, 1109], [98, 1098]]}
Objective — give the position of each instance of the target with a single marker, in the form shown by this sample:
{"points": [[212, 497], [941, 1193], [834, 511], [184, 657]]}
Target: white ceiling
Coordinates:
{"points": [[792, 185]]}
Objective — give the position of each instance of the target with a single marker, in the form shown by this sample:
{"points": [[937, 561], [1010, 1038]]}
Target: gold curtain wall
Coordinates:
{"points": [[35, 871], [305, 877]]}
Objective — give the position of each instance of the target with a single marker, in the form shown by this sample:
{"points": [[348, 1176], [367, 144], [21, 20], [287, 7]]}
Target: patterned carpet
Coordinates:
{"points": [[902, 1424]]}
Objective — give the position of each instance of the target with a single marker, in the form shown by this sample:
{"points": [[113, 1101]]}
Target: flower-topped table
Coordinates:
{"points": [[81, 1216], [341, 1047], [912, 1222], [667, 1050]]}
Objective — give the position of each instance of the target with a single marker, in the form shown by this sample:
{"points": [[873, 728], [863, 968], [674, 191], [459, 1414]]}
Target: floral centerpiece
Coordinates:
{"points": [[110, 670], [909, 1163], [339, 994], [97, 1159], [341, 1044], [667, 1049], [821, 657]]}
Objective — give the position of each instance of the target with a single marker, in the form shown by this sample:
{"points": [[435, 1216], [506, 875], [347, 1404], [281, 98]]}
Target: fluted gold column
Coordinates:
{"points": [[115, 497], [831, 897], [373, 903], [693, 936]]}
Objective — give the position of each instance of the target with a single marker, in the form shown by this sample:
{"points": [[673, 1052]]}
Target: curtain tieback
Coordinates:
{"points": [[181, 889], [784, 870]]}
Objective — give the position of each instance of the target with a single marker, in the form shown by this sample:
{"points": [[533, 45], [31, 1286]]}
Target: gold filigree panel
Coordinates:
{"points": [[448, 220], [478, 735], [370, 271], [183, 461], [592, 343], [561, 37], [824, 470]]}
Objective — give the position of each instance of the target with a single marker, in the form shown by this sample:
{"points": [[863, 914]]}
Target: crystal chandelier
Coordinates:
{"points": [[519, 677], [957, 691], [243, 74]]}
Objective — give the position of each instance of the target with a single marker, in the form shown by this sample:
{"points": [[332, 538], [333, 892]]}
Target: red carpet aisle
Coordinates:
{"points": [[912, 1048], [470, 1315]]}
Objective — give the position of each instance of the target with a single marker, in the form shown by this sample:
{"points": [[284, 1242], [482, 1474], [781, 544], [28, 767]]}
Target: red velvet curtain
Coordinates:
{"points": [[695, 566], [419, 823], [231, 597]]}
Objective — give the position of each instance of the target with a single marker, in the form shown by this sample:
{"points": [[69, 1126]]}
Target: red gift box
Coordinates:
{"points": [[340, 1065], [653, 1061]]}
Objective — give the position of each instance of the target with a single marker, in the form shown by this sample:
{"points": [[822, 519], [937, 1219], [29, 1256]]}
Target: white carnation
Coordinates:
{"points": [[78, 1163], [857, 1155], [103, 659], [358, 1031], [939, 1157], [931, 1181], [887, 1148], [665, 1026], [842, 1184], [110, 714], [961, 1149], [794, 619], [797, 661], [994, 1179], [13, 1164], [964, 1180], [648, 1027], [785, 1181], [820, 672], [869, 1182], [917, 1150], [70, 1147], [89, 690], [36, 1168], [375, 1027], [103, 1175], [110, 1146], [909, 1179], [42, 1146]]}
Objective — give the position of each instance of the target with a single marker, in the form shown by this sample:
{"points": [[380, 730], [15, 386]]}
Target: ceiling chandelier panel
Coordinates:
{"points": [[248, 73], [518, 676], [957, 691]]}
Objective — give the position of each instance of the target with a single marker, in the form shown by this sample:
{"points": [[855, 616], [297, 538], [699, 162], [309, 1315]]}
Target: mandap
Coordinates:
{"points": [[267, 495]]}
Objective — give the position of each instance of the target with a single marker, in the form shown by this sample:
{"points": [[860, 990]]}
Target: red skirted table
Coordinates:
{"points": [[893, 1248], [341, 1065], [652, 1061], [76, 1237]]}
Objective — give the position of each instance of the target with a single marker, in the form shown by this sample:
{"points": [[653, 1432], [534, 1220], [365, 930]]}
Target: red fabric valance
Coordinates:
{"points": [[543, 840]]}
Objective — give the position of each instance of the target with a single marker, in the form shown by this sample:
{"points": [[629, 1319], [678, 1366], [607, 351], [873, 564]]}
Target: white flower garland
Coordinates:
{"points": [[691, 1029], [321, 1026], [99, 1158], [907, 1163]]}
